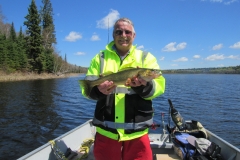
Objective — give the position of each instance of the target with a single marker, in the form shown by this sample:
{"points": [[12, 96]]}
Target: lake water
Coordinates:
{"points": [[34, 112]]}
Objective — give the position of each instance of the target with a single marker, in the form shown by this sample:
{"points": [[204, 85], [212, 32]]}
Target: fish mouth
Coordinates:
{"points": [[150, 74], [154, 75], [155, 71]]}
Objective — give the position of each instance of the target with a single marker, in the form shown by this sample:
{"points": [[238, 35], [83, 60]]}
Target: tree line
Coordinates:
{"points": [[33, 50], [217, 70]]}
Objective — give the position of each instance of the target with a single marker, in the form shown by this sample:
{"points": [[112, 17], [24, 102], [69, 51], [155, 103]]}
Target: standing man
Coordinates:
{"points": [[123, 114]]}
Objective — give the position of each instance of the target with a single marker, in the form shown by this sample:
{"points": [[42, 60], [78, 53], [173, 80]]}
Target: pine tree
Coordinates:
{"points": [[3, 52], [48, 28], [13, 35], [49, 60], [22, 56], [48, 33], [34, 45], [12, 55], [65, 58]]}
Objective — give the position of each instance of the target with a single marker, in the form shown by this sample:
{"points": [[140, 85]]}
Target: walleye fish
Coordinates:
{"points": [[121, 78]]}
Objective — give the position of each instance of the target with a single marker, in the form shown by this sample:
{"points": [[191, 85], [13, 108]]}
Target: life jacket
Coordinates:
{"points": [[124, 115]]}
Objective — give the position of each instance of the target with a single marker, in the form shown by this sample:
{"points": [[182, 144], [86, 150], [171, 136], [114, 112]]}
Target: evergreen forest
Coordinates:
{"points": [[217, 70], [33, 50]]}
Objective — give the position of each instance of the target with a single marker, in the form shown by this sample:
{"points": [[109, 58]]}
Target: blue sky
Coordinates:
{"points": [[181, 34]]}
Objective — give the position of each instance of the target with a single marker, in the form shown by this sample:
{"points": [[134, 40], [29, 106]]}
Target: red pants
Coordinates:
{"points": [[109, 149]]}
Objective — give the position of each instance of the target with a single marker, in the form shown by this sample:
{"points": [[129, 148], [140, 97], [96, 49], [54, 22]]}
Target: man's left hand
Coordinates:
{"points": [[135, 82]]}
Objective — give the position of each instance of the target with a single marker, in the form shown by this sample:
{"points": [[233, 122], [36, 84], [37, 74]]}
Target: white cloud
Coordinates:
{"points": [[162, 58], [217, 47], [95, 38], [226, 2], [109, 20], [215, 57], [73, 36], [235, 45], [220, 1], [140, 47], [80, 53], [171, 47], [196, 56], [182, 59], [233, 57], [229, 2], [181, 46]]}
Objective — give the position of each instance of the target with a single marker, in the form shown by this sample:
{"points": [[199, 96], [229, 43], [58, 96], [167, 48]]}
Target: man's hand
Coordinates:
{"points": [[135, 82], [106, 87]]}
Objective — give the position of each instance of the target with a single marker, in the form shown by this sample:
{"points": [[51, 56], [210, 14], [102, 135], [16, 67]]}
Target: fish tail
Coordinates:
{"points": [[85, 85]]}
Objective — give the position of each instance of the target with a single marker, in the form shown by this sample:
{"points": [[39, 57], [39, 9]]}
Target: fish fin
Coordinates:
{"points": [[85, 85], [106, 73], [127, 68]]}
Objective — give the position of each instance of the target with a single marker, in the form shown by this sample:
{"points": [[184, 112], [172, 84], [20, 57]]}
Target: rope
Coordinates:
{"points": [[85, 148], [58, 153]]}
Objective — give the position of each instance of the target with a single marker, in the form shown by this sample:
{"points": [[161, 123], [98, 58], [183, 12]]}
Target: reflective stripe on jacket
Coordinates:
{"points": [[127, 113]]}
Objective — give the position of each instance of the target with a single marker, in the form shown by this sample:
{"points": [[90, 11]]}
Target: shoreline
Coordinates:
{"points": [[33, 76]]}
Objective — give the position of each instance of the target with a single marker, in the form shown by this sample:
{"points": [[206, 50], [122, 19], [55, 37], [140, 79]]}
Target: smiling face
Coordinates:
{"points": [[123, 36]]}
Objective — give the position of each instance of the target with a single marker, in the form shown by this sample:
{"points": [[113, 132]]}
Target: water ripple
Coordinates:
{"points": [[33, 112]]}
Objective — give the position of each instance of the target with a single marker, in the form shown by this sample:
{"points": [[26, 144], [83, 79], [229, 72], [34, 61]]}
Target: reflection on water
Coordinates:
{"points": [[34, 112], [28, 115]]}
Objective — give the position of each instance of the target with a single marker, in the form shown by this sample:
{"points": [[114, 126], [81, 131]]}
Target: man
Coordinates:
{"points": [[123, 114]]}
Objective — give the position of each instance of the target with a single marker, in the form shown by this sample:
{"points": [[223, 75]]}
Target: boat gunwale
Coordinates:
{"points": [[230, 149], [48, 144]]}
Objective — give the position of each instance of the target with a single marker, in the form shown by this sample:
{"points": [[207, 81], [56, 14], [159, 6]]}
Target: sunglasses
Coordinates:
{"points": [[120, 32]]}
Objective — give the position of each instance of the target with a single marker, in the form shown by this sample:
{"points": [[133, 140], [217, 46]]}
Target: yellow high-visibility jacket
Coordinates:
{"points": [[128, 113]]}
